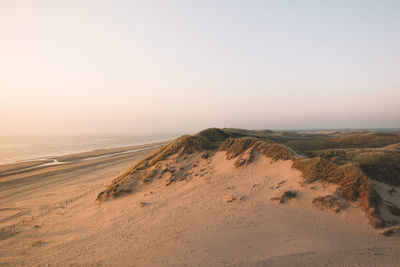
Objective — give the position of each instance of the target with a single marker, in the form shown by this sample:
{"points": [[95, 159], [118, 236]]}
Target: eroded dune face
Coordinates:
{"points": [[213, 153]]}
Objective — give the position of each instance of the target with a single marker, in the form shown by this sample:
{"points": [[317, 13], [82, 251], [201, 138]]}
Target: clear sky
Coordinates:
{"points": [[172, 66]]}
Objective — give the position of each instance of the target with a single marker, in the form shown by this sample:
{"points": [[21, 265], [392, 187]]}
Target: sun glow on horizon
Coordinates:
{"points": [[175, 66]]}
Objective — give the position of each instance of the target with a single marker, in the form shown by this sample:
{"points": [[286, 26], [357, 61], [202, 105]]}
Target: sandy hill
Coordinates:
{"points": [[231, 152], [222, 197]]}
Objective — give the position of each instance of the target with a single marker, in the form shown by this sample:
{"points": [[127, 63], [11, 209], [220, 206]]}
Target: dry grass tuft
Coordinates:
{"points": [[235, 147], [353, 183], [334, 203], [274, 151], [285, 196]]}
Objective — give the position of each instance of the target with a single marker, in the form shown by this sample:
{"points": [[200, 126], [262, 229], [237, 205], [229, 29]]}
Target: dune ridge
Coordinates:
{"points": [[179, 160]]}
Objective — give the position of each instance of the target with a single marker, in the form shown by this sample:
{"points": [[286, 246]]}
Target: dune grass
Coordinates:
{"points": [[359, 140], [381, 164], [353, 184], [237, 146]]}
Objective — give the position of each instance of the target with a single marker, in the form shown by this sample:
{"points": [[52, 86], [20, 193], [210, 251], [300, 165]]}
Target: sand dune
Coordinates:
{"points": [[192, 204]]}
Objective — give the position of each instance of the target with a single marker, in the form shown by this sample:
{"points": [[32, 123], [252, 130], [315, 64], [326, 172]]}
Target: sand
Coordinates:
{"points": [[219, 216], [20, 167]]}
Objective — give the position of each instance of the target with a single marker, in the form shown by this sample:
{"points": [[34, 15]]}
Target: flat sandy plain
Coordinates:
{"points": [[222, 217]]}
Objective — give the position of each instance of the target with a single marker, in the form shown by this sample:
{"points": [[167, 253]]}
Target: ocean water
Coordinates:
{"points": [[23, 148]]}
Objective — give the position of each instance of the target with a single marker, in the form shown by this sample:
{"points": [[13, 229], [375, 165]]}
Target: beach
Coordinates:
{"points": [[35, 191], [75, 158]]}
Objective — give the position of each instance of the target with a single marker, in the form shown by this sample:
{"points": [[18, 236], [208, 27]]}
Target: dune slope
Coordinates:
{"points": [[190, 156]]}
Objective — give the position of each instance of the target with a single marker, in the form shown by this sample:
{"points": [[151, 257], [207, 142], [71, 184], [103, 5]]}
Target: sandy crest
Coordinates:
{"points": [[223, 216]]}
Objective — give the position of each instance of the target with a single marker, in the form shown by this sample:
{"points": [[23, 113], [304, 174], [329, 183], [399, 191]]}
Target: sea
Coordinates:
{"points": [[22, 148]]}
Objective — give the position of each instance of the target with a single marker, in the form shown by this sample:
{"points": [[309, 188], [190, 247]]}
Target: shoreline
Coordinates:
{"points": [[68, 152], [20, 167], [28, 195]]}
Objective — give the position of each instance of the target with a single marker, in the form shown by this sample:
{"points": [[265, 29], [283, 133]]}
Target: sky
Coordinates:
{"points": [[180, 66]]}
